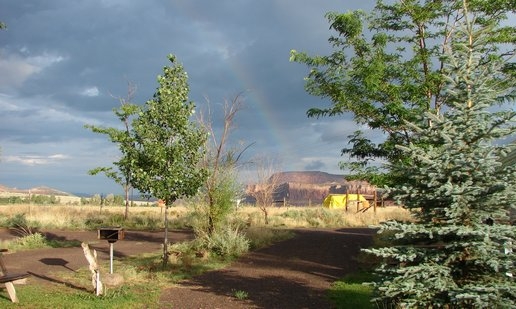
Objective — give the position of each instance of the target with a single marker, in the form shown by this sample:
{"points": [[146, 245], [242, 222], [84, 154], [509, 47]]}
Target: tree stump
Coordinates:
{"points": [[91, 257]]}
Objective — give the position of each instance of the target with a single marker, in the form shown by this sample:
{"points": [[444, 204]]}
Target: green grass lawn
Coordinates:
{"points": [[144, 281], [54, 296], [350, 292]]}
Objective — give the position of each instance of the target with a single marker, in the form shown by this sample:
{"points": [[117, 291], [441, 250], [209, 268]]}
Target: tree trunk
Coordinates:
{"points": [[126, 214], [211, 206], [165, 239]]}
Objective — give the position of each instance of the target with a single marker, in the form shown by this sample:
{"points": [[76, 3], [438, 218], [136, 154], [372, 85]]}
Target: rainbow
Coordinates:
{"points": [[260, 104], [256, 100]]}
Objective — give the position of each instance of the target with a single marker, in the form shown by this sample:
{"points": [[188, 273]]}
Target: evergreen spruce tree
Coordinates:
{"points": [[456, 253]]}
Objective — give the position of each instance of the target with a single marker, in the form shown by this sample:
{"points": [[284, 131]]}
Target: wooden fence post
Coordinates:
{"points": [[347, 200], [375, 201], [358, 200]]}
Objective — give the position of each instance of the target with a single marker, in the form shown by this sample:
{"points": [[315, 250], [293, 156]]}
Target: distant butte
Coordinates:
{"points": [[310, 187]]}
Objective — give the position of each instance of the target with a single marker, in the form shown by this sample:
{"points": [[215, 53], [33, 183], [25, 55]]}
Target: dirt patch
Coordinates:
{"points": [[292, 274], [43, 263]]}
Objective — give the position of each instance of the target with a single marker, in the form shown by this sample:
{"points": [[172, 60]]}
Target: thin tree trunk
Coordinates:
{"points": [[165, 240], [126, 214]]}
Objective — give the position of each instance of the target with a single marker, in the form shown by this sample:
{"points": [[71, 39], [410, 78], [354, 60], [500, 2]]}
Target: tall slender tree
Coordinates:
{"points": [[169, 146], [387, 67], [122, 170], [458, 251]]}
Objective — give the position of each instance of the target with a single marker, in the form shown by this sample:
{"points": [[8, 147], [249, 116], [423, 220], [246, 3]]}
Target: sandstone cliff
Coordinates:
{"points": [[309, 188]]}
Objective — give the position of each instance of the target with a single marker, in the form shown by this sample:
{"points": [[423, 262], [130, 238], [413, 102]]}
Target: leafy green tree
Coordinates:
{"points": [[169, 146], [122, 170], [387, 67], [458, 251]]}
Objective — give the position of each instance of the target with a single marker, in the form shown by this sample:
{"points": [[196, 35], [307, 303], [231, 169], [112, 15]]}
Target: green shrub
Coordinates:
{"points": [[21, 225], [18, 220], [137, 221], [31, 241], [93, 222], [11, 200], [227, 242], [294, 214], [35, 241], [322, 217], [45, 199], [143, 222], [116, 219], [241, 294]]}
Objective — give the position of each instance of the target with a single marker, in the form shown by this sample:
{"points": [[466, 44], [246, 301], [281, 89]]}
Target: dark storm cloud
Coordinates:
{"points": [[66, 62]]}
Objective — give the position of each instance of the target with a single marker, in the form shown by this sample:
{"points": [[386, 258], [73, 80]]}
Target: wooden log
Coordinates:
{"points": [[94, 268]]}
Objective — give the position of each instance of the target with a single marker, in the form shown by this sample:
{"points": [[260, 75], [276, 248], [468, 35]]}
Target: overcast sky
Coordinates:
{"points": [[63, 64]]}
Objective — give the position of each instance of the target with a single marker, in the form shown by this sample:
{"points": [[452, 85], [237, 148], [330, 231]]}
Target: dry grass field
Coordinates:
{"points": [[66, 216]]}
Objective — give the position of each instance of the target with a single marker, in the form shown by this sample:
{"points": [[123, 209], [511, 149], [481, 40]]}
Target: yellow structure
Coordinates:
{"points": [[334, 201]]}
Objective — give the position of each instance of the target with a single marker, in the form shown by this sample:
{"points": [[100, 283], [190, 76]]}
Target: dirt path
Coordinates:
{"points": [[43, 263], [292, 274]]}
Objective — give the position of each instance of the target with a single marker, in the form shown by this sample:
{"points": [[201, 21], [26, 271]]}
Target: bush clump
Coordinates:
{"points": [[20, 225], [228, 242]]}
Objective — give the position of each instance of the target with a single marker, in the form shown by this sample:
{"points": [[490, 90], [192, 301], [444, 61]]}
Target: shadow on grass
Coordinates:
{"points": [[54, 280]]}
